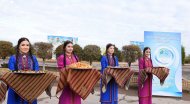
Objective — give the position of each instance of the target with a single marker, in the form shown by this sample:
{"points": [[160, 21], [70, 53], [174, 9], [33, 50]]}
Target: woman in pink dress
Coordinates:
{"points": [[68, 57], [145, 90]]}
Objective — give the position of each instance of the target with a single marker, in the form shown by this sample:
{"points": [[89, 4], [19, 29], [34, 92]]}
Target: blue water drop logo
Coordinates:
{"points": [[164, 56]]}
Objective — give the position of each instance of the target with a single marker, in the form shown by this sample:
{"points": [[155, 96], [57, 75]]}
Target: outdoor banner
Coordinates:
{"points": [[61, 39], [166, 51], [58, 40]]}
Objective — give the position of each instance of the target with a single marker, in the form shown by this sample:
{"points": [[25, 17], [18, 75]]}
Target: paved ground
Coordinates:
{"points": [[125, 97], [128, 98]]}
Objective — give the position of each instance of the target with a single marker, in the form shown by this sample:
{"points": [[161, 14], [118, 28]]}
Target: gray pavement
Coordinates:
{"points": [[123, 99]]}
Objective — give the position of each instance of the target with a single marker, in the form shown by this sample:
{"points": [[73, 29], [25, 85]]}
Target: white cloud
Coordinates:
{"points": [[96, 22]]}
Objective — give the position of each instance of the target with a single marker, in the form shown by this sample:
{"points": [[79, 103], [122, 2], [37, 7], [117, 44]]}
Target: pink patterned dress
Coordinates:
{"points": [[67, 96], [145, 92]]}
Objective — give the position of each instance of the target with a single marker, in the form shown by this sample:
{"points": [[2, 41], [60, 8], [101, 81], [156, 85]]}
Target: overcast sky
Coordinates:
{"points": [[93, 21]]}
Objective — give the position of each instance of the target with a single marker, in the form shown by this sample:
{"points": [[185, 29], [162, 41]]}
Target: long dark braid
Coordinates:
{"points": [[75, 57], [31, 56], [16, 65], [18, 51], [64, 60], [113, 55], [108, 59]]}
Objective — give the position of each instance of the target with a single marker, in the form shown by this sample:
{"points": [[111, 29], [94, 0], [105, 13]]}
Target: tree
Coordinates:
{"points": [[59, 50], [131, 53], [183, 54], [92, 53], [44, 51], [187, 59], [6, 49], [118, 54], [78, 51]]}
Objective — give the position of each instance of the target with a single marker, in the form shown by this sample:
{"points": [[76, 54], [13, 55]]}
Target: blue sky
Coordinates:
{"points": [[93, 21]]}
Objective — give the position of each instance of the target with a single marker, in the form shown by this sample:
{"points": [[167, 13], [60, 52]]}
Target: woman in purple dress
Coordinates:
{"points": [[68, 96], [145, 90]]}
